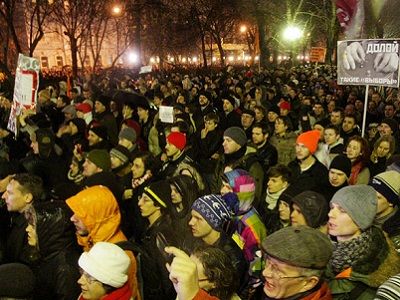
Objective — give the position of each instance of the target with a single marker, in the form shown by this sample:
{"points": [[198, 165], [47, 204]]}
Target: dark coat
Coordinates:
{"points": [[268, 156], [54, 260], [17, 249]]}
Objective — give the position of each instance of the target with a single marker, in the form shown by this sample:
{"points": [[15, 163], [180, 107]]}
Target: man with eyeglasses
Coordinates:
{"points": [[295, 259]]}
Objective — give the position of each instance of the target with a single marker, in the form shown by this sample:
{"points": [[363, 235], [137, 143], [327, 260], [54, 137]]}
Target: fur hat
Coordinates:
{"points": [[101, 158], [309, 139], [178, 139], [388, 184], [359, 202], [213, 209], [300, 246], [237, 134], [107, 263]]}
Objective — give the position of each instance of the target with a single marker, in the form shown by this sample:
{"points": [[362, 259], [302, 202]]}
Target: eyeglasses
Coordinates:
{"points": [[88, 278], [275, 273]]}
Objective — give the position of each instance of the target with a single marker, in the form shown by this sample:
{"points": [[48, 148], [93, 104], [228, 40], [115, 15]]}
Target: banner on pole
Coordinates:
{"points": [[25, 89], [317, 54], [368, 62]]}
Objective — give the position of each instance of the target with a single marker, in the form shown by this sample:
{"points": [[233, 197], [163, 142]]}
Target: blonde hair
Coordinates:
{"points": [[385, 138]]}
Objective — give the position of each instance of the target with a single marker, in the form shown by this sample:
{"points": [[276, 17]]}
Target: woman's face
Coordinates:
{"points": [[353, 150], [32, 236], [175, 196], [383, 149], [137, 168], [92, 289], [284, 211]]}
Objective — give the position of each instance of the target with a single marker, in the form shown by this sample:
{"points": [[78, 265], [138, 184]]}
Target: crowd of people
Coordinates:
{"points": [[261, 187]]}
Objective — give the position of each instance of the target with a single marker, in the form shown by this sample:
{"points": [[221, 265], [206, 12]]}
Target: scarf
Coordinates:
{"points": [[347, 253], [355, 170], [139, 181], [233, 157], [272, 198]]}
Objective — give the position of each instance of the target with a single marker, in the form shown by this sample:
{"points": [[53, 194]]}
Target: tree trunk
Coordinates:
{"points": [[136, 35], [220, 49], [203, 49], [74, 55], [262, 35]]}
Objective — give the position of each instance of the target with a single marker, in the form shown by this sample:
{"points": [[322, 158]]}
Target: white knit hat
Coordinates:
{"points": [[107, 263]]}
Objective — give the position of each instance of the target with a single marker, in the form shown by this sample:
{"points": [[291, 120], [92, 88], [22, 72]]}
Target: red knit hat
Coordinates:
{"points": [[178, 139], [309, 139], [285, 105], [83, 107]]}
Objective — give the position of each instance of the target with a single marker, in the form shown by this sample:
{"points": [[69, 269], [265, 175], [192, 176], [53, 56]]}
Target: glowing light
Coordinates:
{"points": [[214, 59], [292, 33], [183, 59], [116, 10], [279, 57], [256, 58], [243, 28], [133, 57], [194, 59], [152, 60], [231, 58], [171, 59]]}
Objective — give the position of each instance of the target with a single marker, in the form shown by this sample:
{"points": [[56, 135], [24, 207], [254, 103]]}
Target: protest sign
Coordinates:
{"points": [[317, 54], [166, 114], [25, 89], [368, 62]]}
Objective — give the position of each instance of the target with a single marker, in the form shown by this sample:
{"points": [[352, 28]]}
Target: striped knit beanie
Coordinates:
{"points": [[390, 289], [388, 184]]}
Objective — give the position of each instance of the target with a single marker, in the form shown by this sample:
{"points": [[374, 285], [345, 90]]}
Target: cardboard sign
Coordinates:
{"points": [[25, 89]]}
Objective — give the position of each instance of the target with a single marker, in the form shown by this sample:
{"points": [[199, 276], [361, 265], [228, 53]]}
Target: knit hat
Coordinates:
{"points": [[16, 281], [274, 109], [300, 246], [249, 112], [45, 139], [285, 105], [160, 193], [178, 139], [83, 107], [80, 124], [390, 289], [342, 163], [121, 153], [213, 209], [69, 109], [242, 184], [229, 97], [388, 184], [309, 139], [314, 208], [107, 263], [100, 131], [103, 99], [359, 202], [237, 134], [128, 133], [392, 124], [100, 158]]}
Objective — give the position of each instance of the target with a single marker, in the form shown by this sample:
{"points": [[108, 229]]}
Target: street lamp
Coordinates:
{"points": [[116, 10], [292, 33]]}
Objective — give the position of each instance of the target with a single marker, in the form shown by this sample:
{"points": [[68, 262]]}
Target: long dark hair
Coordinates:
{"points": [[188, 189]]}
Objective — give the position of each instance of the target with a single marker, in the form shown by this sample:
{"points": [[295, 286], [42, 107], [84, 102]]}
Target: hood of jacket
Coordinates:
{"points": [[98, 209]]}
